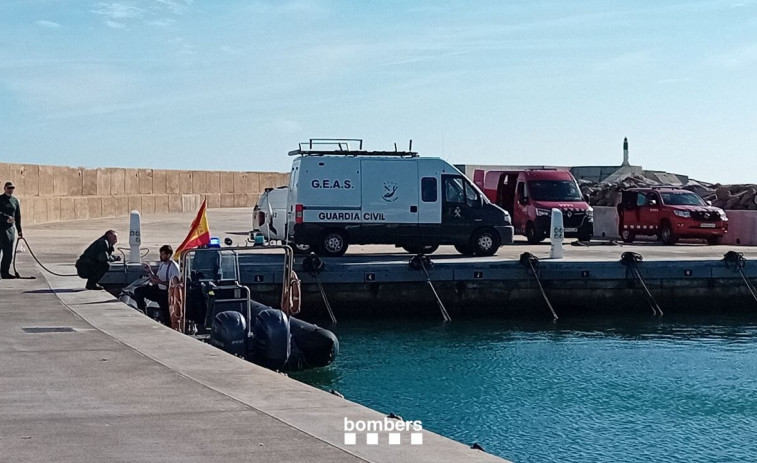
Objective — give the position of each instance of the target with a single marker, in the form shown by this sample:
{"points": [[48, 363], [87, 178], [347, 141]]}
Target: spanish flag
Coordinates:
{"points": [[199, 233]]}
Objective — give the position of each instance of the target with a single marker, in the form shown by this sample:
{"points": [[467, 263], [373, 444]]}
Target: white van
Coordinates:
{"points": [[269, 214], [340, 194]]}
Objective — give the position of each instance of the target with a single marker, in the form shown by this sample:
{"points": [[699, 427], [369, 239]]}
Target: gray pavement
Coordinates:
{"points": [[112, 385]]}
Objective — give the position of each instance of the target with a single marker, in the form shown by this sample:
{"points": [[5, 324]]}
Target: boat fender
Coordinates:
{"points": [[319, 346], [229, 332]]}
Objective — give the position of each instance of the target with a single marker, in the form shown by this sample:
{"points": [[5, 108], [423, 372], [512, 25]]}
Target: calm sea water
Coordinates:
{"points": [[589, 390]]}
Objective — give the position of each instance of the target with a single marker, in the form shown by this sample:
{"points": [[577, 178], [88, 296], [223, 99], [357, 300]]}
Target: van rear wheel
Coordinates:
{"points": [[485, 242], [333, 244], [465, 250], [531, 234]]}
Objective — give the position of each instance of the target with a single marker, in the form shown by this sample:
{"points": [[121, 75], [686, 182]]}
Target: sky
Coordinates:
{"points": [[235, 85]]}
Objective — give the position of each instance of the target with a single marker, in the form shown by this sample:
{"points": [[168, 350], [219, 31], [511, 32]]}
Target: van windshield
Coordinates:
{"points": [[682, 199], [554, 190]]}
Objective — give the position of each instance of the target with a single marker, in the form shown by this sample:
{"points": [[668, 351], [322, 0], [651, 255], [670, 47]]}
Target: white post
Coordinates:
{"points": [[557, 234], [135, 236]]}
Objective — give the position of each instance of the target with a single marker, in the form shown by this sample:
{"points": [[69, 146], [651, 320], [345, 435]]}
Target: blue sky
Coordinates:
{"points": [[234, 85]]}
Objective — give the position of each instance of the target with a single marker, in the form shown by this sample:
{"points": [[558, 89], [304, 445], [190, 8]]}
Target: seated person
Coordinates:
{"points": [[96, 259], [157, 290]]}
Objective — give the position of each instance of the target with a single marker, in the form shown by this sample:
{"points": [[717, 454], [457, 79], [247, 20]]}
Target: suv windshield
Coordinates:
{"points": [[683, 198], [554, 190]]}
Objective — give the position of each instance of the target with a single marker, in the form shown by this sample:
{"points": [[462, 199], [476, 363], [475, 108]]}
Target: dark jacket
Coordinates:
{"points": [[99, 251], [9, 207]]}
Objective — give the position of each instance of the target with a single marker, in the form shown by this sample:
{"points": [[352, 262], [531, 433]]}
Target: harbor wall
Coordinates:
{"points": [[742, 226], [59, 193]]}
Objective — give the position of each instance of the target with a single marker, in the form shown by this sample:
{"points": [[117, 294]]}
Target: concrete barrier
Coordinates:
{"points": [[59, 193]]}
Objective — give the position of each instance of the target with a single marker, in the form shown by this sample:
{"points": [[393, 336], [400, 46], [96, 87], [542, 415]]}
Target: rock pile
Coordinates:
{"points": [[723, 196]]}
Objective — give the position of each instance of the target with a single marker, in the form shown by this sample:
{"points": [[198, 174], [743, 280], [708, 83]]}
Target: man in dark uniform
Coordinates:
{"points": [[10, 221], [96, 259]]}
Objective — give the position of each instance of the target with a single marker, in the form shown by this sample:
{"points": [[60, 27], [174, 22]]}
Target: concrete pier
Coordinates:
{"points": [[86, 378]]}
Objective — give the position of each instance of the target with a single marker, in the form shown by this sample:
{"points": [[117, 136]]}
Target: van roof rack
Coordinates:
{"points": [[344, 147]]}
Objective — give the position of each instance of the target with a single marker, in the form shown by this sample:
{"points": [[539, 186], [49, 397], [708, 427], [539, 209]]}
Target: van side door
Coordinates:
{"points": [[460, 203]]}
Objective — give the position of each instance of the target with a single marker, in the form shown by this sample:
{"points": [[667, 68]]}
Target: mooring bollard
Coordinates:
{"points": [[135, 236], [557, 235]]}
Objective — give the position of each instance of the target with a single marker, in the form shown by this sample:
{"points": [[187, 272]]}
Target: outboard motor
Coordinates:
{"points": [[270, 339], [229, 333]]}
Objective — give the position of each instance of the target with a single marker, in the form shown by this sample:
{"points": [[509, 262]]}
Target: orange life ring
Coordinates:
{"points": [[291, 299], [176, 302]]}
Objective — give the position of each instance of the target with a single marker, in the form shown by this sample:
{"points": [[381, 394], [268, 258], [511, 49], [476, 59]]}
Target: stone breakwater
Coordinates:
{"points": [[729, 197]]}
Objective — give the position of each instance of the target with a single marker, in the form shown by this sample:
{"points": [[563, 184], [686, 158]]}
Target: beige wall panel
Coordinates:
{"points": [[103, 182], [161, 204], [135, 203], [214, 200], [173, 181], [253, 182], [67, 208], [240, 200], [159, 182], [227, 182], [5, 170], [109, 206], [131, 181], [227, 199], [89, 182], [145, 181], [61, 177], [174, 203], [80, 208], [40, 210], [46, 181], [16, 175], [190, 203], [53, 209], [199, 182], [185, 182], [94, 207], [148, 204], [240, 182], [117, 179], [31, 180], [214, 182], [122, 205], [76, 181]]}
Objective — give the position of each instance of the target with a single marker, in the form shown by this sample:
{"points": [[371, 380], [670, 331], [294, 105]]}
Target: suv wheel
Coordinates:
{"points": [[627, 236], [666, 234], [465, 249], [531, 234], [426, 249], [485, 242], [333, 244]]}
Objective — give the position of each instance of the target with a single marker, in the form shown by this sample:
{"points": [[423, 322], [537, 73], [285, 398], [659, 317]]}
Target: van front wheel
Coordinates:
{"points": [[485, 242], [333, 244]]}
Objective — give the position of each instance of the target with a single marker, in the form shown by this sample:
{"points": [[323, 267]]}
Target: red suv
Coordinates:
{"points": [[670, 213]]}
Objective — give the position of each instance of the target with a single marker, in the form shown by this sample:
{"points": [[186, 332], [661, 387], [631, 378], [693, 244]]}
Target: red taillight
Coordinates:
{"points": [[298, 213]]}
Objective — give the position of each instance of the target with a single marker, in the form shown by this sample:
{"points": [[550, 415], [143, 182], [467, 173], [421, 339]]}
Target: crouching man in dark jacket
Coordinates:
{"points": [[95, 261]]}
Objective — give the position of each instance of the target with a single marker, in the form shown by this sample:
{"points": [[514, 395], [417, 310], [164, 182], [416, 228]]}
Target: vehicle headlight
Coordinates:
{"points": [[685, 214], [722, 214], [543, 212], [590, 213]]}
